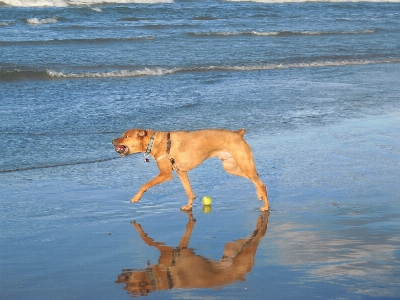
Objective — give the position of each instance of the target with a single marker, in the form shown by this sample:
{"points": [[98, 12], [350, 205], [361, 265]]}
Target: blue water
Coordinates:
{"points": [[315, 84], [74, 77]]}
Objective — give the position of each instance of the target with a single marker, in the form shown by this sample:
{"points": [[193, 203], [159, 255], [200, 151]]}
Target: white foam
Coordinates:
{"points": [[115, 74], [36, 21], [164, 71], [63, 3], [93, 2], [35, 3]]}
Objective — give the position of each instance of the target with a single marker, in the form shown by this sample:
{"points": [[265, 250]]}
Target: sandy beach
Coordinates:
{"points": [[332, 232]]}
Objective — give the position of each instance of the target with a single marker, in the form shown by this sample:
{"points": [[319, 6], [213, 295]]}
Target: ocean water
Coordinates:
{"points": [[316, 84], [75, 74]]}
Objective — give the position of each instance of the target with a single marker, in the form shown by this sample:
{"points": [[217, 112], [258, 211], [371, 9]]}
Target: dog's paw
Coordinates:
{"points": [[264, 208], [186, 207], [136, 225], [135, 199]]}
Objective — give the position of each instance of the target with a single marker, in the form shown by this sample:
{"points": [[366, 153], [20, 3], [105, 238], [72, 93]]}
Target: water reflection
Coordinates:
{"points": [[360, 254], [181, 267]]}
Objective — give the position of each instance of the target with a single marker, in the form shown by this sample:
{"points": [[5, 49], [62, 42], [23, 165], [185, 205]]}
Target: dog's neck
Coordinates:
{"points": [[150, 143]]}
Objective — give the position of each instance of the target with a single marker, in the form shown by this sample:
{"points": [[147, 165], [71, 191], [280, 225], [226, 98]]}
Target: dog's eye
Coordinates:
{"points": [[125, 136]]}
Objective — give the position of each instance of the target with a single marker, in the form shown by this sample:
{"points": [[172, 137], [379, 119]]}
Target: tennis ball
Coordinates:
{"points": [[206, 200]]}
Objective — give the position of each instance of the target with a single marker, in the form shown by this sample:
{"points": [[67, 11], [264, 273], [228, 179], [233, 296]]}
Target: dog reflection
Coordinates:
{"points": [[181, 268]]}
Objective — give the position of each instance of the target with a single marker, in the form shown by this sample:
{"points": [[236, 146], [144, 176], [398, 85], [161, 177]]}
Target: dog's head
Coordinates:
{"points": [[138, 282], [130, 142]]}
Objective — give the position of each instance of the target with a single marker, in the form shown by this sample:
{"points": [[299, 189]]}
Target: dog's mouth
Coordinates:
{"points": [[121, 149]]}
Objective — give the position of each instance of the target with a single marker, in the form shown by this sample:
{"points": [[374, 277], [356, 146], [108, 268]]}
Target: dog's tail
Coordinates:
{"points": [[241, 131]]}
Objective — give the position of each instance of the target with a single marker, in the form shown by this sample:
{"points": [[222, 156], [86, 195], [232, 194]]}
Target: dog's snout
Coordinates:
{"points": [[114, 142]]}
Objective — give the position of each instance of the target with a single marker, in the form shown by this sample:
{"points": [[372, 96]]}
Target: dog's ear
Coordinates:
{"points": [[142, 133]]}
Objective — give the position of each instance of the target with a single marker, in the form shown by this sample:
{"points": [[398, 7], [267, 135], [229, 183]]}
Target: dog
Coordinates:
{"points": [[184, 150], [180, 267]]}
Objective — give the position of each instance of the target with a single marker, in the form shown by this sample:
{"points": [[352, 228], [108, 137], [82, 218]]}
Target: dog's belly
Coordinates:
{"points": [[223, 155], [187, 161]]}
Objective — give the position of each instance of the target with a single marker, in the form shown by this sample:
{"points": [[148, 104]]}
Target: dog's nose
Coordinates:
{"points": [[113, 142]]}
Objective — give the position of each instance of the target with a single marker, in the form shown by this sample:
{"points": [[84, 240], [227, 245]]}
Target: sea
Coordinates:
{"points": [[76, 74], [310, 81]]}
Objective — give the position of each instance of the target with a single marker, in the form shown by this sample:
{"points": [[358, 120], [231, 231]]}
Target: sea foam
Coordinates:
{"points": [[168, 71], [37, 3], [116, 73], [64, 3], [36, 21], [18, 74]]}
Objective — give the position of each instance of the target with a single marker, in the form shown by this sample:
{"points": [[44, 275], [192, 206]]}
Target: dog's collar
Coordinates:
{"points": [[149, 146], [174, 167], [151, 275]]}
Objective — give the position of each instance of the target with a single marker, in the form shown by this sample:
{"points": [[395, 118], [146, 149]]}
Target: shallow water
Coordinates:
{"points": [[332, 230]]}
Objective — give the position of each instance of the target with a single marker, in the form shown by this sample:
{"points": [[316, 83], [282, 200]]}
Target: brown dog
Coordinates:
{"points": [[183, 150], [181, 268]]}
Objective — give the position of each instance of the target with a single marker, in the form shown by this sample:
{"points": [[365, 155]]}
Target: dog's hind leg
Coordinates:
{"points": [[232, 167], [242, 164], [183, 176]]}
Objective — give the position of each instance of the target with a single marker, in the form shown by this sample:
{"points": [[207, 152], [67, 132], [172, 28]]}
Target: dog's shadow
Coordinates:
{"points": [[182, 268]]}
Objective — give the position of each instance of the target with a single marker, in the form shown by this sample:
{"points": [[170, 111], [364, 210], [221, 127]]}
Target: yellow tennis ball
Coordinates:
{"points": [[206, 200]]}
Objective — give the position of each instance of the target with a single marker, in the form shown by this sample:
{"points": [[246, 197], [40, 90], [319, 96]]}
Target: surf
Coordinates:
{"points": [[65, 3], [47, 74], [37, 21]]}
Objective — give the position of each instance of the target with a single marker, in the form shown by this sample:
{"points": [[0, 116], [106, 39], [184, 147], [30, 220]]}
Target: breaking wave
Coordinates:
{"points": [[13, 75], [64, 3], [38, 3], [116, 73], [36, 21]]}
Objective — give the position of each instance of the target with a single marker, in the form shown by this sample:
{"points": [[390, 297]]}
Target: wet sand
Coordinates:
{"points": [[332, 232]]}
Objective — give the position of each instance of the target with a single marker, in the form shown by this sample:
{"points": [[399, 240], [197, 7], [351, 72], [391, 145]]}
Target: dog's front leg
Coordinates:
{"points": [[183, 176], [165, 174], [184, 242]]}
